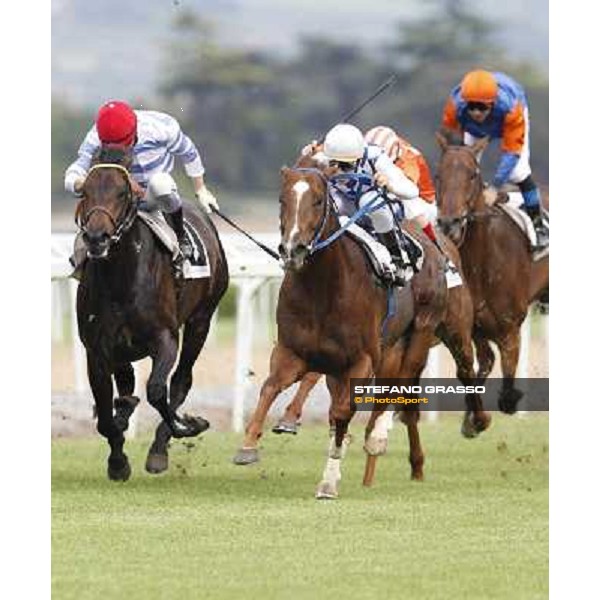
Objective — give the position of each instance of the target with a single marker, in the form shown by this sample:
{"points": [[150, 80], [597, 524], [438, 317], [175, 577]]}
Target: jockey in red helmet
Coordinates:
{"points": [[155, 139]]}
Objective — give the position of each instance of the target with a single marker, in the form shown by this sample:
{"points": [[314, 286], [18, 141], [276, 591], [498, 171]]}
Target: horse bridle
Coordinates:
{"points": [[120, 223], [313, 245], [469, 215]]}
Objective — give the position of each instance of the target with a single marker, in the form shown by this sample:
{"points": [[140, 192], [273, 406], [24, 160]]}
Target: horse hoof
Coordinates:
{"points": [[119, 471], [189, 426], [375, 446], [417, 476], [468, 429], [483, 422], [246, 456], [157, 463], [326, 491], [507, 402], [285, 427]]}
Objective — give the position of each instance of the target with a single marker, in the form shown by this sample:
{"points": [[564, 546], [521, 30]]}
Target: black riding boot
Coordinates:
{"points": [[392, 243], [535, 214], [175, 220]]}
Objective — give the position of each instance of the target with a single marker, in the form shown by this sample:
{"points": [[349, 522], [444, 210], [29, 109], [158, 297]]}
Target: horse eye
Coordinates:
{"points": [[318, 202]]}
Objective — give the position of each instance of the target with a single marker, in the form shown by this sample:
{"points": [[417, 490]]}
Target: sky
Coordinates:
{"points": [[115, 47]]}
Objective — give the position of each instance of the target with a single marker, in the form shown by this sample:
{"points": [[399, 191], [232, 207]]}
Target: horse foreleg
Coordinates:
{"points": [[126, 403], [164, 355], [341, 413], [194, 337], [285, 369], [291, 419], [101, 383], [509, 346], [456, 335]]}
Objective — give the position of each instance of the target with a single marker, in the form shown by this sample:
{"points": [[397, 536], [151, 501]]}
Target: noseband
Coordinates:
{"points": [[120, 223]]}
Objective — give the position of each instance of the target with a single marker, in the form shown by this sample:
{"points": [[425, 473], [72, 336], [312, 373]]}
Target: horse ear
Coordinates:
{"points": [[442, 140], [480, 145], [284, 169]]}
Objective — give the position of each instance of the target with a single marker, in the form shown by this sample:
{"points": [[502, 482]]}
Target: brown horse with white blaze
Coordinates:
{"points": [[330, 319], [501, 274]]}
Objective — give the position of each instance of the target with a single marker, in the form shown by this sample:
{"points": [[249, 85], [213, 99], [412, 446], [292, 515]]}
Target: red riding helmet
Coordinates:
{"points": [[116, 123]]}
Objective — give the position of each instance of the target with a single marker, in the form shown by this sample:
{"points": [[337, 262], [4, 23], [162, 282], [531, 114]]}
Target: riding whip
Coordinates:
{"points": [[384, 86], [268, 250]]}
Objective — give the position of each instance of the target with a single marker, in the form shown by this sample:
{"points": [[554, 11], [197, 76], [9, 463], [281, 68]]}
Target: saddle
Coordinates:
{"points": [[198, 266], [509, 203], [379, 257]]}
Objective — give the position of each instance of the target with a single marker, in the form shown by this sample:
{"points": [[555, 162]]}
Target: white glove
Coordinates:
{"points": [[381, 179], [310, 149], [78, 186], [206, 199], [490, 194]]}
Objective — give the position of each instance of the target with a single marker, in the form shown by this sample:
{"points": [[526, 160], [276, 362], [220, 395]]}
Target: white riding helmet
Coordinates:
{"points": [[344, 143]]}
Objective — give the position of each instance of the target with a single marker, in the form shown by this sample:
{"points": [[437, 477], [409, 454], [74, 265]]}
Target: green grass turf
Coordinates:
{"points": [[477, 527]]}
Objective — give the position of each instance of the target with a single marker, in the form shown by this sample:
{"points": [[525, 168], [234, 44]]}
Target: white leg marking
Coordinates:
{"points": [[376, 443], [332, 473]]}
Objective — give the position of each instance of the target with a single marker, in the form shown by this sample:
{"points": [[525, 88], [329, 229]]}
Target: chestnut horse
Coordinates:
{"points": [[501, 274], [129, 306], [330, 318]]}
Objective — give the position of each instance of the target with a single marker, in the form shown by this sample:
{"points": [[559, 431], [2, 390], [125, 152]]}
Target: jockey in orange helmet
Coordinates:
{"points": [[493, 105]]}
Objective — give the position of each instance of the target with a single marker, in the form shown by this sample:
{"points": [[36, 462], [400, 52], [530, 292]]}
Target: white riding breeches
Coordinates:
{"points": [[161, 194], [383, 219]]}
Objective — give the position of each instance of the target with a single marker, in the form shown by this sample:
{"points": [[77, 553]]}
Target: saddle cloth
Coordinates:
{"points": [[380, 259], [521, 218], [197, 267]]}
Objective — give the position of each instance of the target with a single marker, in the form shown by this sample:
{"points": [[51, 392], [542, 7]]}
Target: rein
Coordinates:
{"points": [[317, 243], [121, 223]]}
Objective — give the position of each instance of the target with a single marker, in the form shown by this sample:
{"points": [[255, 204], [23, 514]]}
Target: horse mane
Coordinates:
{"points": [[452, 137], [112, 154]]}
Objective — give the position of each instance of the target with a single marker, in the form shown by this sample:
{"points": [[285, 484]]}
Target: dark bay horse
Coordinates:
{"points": [[330, 315], [501, 274], [129, 306]]}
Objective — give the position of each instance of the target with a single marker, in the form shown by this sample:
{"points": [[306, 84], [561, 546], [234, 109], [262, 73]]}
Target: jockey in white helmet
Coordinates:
{"points": [[345, 147]]}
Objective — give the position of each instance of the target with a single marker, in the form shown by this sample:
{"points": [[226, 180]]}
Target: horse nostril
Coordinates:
{"points": [[281, 250], [299, 250], [95, 238]]}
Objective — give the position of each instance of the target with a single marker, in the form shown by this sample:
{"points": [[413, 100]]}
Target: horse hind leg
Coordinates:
{"points": [[380, 420], [413, 364], [126, 402], [292, 417], [102, 389], [194, 336], [485, 356], [509, 346]]}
